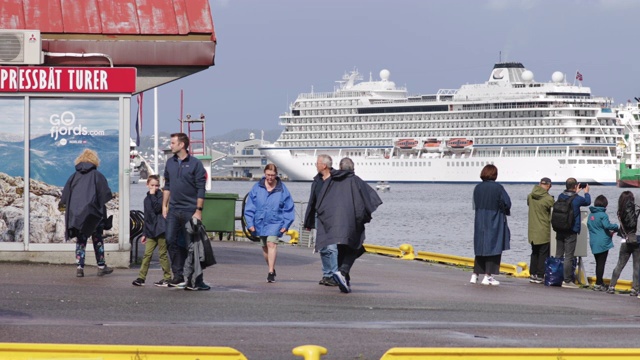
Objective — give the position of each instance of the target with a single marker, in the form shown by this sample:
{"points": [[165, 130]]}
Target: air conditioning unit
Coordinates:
{"points": [[20, 47]]}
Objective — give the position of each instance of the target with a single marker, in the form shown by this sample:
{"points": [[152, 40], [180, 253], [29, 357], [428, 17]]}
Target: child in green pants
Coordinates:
{"points": [[153, 234]]}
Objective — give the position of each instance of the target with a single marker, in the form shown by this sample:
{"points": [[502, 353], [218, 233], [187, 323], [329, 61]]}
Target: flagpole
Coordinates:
{"points": [[155, 129]]}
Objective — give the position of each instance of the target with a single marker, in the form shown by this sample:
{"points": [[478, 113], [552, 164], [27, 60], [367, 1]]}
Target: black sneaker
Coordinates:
{"points": [[104, 271], [342, 282], [271, 277], [79, 272], [177, 281], [162, 283], [203, 287], [611, 290], [138, 282], [331, 282], [633, 292], [191, 288]]}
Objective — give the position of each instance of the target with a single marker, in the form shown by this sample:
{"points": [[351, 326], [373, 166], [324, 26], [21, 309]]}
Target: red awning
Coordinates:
{"points": [[164, 33]]}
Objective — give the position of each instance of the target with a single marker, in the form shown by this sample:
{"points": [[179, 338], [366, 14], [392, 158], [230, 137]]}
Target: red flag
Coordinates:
{"points": [[578, 76], [139, 119]]}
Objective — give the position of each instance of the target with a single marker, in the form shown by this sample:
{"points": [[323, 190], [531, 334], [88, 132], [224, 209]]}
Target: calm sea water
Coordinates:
{"points": [[435, 217]]}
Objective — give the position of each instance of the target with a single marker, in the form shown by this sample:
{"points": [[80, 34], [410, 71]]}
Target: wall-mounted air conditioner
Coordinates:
{"points": [[20, 47]]}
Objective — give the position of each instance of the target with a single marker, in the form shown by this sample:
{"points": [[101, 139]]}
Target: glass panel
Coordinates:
{"points": [[12, 170], [60, 130]]}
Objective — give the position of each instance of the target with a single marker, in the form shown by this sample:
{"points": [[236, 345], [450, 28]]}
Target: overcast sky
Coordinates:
{"points": [[270, 51]]}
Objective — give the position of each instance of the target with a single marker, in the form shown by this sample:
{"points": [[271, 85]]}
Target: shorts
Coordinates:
{"points": [[265, 239]]}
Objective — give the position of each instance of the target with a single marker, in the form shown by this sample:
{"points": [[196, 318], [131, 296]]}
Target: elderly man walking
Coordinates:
{"points": [[344, 206]]}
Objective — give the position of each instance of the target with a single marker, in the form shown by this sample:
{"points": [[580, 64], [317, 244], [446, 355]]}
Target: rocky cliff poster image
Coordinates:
{"points": [[11, 170], [61, 129]]}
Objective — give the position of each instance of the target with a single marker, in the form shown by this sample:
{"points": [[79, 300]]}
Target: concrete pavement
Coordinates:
{"points": [[394, 303]]}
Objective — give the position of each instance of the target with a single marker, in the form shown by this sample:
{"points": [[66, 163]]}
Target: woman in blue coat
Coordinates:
{"points": [[269, 214], [491, 234]]}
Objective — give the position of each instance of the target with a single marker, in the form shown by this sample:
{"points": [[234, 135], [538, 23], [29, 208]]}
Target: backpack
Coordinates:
{"points": [[562, 218], [629, 222]]}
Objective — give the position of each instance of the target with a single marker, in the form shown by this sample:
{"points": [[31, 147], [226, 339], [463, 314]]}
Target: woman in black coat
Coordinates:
{"points": [[491, 235], [85, 196]]}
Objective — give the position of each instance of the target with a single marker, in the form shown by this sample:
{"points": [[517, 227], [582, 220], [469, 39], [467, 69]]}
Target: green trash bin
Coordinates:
{"points": [[219, 212]]}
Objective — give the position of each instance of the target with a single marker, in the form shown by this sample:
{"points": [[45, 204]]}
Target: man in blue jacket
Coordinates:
{"points": [[566, 241], [183, 198]]}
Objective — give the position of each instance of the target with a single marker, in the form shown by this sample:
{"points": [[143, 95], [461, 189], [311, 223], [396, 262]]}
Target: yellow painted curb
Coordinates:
{"points": [[25, 351], [510, 353]]}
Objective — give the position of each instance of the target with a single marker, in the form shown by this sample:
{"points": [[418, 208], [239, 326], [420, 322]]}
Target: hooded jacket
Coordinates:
{"points": [[491, 235], [600, 230], [344, 206], [154, 222], [540, 204], [268, 211], [85, 196]]}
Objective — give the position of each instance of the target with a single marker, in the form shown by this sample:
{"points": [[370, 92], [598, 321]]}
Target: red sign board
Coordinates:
{"points": [[67, 79]]}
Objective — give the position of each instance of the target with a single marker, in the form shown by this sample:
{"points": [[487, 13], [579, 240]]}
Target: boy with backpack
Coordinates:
{"points": [[565, 221]]}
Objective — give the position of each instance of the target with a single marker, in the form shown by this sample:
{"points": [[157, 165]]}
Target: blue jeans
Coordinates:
{"points": [[177, 240], [329, 257]]}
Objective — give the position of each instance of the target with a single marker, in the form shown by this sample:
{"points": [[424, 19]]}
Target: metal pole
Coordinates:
{"points": [[155, 129]]}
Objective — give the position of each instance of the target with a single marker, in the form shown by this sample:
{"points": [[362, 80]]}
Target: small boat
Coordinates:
{"points": [[407, 143], [460, 143], [432, 145], [383, 186]]}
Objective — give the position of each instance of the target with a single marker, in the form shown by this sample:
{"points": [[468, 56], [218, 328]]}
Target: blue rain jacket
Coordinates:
{"points": [[269, 211]]}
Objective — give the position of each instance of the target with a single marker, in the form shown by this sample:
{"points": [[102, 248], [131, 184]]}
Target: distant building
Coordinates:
{"points": [[248, 161]]}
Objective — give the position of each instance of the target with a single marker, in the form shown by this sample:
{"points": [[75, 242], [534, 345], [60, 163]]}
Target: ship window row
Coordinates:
{"points": [[454, 120], [327, 103], [534, 105], [524, 123]]}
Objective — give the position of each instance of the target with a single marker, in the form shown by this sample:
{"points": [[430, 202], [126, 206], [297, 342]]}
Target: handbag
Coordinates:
{"points": [[553, 271]]}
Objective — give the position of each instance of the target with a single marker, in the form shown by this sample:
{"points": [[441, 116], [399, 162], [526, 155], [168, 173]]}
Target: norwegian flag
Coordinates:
{"points": [[578, 76], [139, 118]]}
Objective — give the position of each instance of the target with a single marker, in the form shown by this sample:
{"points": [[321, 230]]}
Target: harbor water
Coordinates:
{"points": [[436, 217]]}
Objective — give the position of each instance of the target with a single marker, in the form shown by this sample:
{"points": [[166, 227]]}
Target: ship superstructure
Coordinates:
{"points": [[528, 129]]}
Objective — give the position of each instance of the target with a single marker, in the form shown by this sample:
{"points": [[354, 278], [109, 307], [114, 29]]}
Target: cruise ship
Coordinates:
{"points": [[528, 129]]}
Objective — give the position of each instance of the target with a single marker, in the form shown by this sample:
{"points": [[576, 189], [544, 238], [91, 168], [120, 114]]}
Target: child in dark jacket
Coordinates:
{"points": [[153, 234], [600, 232]]}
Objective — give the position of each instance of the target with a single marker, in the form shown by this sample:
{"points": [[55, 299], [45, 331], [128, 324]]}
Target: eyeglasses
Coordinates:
{"points": [[270, 175]]}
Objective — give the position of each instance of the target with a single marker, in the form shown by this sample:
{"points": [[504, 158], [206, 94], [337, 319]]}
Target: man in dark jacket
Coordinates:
{"points": [[344, 206], [329, 253], [183, 198], [566, 241], [85, 196]]}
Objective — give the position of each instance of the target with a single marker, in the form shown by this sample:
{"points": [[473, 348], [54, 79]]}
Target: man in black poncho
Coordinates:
{"points": [[344, 206]]}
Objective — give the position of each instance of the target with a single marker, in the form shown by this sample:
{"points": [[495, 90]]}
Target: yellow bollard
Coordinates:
{"points": [[309, 352], [407, 252], [295, 236]]}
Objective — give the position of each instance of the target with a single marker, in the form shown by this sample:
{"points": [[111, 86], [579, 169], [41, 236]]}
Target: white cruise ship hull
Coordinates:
{"points": [[447, 170]]}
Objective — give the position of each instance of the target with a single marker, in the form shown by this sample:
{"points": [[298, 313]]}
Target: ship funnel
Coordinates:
{"points": [[508, 72]]}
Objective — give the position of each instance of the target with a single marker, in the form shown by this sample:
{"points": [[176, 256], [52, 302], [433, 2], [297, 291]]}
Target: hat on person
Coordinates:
{"points": [[545, 180]]}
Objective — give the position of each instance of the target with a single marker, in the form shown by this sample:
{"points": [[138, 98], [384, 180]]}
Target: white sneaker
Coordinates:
{"points": [[489, 280], [474, 279]]}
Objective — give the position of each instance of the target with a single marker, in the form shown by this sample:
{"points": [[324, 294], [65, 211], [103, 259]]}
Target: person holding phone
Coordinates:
{"points": [[566, 240]]}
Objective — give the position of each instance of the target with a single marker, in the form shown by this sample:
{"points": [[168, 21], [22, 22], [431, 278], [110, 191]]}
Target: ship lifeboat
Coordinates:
{"points": [[407, 143], [460, 143], [432, 145]]}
